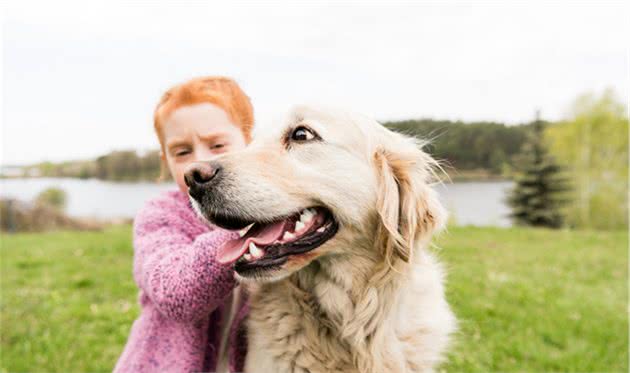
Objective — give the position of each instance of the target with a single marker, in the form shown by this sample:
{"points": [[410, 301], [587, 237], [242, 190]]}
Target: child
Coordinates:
{"points": [[192, 307]]}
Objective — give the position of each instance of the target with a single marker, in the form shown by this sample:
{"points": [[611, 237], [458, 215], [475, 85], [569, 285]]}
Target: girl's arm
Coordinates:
{"points": [[178, 273]]}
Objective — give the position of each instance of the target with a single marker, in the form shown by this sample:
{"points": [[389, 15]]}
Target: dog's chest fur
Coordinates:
{"points": [[314, 322], [289, 331]]}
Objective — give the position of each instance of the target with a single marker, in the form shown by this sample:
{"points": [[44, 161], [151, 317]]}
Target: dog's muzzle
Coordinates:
{"points": [[200, 177]]}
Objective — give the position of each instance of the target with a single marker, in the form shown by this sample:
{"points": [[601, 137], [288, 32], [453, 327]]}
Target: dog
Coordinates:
{"points": [[339, 212]]}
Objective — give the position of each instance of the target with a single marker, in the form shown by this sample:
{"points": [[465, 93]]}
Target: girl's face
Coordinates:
{"points": [[197, 133]]}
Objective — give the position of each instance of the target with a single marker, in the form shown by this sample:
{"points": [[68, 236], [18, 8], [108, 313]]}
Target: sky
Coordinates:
{"points": [[80, 79]]}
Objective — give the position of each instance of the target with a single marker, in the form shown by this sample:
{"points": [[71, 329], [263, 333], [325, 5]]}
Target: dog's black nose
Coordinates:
{"points": [[200, 175]]}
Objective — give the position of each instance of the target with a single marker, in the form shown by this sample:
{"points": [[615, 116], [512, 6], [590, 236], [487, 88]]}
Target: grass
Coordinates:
{"points": [[538, 300], [527, 300], [68, 300]]}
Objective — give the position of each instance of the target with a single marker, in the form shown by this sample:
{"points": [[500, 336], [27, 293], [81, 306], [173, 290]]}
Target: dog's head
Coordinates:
{"points": [[323, 184]]}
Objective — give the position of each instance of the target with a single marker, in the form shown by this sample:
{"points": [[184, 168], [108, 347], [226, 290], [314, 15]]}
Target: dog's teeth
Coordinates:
{"points": [[299, 226], [244, 231], [288, 236], [307, 215], [321, 229], [247, 256], [255, 251]]}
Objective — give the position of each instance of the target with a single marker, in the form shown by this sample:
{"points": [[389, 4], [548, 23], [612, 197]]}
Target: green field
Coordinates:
{"points": [[527, 300]]}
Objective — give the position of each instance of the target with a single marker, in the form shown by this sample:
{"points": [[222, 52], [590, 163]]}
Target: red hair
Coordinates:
{"points": [[217, 90]]}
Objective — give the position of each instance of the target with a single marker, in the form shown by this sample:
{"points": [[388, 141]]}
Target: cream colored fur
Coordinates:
{"points": [[369, 300]]}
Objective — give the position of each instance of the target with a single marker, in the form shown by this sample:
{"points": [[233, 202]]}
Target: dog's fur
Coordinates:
{"points": [[371, 298]]}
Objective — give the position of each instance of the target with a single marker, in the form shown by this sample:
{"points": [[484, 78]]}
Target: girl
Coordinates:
{"points": [[191, 306]]}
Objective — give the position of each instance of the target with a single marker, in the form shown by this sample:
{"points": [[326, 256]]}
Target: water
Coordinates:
{"points": [[470, 203], [89, 198], [477, 203]]}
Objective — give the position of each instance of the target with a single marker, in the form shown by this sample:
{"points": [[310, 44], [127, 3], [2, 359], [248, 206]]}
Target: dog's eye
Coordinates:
{"points": [[302, 134]]}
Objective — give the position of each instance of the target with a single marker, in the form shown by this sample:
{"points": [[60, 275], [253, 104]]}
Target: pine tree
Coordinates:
{"points": [[540, 190]]}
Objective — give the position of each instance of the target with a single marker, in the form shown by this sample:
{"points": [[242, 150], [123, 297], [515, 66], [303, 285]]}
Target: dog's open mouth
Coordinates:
{"points": [[270, 244]]}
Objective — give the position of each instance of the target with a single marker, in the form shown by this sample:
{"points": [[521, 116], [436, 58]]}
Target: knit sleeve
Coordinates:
{"points": [[176, 270]]}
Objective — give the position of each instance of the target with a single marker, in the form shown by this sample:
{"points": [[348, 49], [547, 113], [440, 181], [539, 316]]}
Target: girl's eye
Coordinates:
{"points": [[217, 146], [302, 134], [181, 153]]}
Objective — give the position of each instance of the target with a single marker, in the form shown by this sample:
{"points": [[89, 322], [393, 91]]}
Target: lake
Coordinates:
{"points": [[470, 203]]}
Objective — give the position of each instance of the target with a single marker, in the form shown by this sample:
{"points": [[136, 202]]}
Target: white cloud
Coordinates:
{"points": [[82, 78]]}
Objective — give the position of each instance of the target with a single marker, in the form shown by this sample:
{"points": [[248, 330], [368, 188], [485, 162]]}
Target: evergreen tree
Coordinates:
{"points": [[540, 190]]}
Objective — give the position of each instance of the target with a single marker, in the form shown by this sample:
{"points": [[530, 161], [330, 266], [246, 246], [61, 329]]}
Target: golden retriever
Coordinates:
{"points": [[339, 212]]}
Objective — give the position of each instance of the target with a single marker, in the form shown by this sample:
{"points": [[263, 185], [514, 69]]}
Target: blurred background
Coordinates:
{"points": [[525, 104]]}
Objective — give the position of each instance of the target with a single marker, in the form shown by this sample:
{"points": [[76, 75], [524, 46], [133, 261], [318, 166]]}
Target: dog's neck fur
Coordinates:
{"points": [[341, 312]]}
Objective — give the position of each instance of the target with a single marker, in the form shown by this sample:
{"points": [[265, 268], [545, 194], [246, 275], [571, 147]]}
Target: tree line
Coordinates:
{"points": [[464, 146], [592, 144], [575, 172], [122, 165]]}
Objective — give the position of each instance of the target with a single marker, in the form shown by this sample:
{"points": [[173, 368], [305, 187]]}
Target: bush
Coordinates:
{"points": [[53, 197]]}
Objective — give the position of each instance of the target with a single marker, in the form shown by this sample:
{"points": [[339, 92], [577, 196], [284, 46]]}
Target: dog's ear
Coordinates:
{"points": [[408, 207]]}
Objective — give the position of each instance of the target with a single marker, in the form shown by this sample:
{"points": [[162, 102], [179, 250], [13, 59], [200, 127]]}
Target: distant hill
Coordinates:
{"points": [[479, 147]]}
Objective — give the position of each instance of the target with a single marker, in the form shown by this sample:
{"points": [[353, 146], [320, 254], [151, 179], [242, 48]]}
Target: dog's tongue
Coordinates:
{"points": [[261, 235]]}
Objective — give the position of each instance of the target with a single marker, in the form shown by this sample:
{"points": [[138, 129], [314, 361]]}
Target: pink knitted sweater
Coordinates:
{"points": [[182, 293]]}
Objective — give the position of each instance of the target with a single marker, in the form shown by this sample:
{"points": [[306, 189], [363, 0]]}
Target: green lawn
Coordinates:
{"points": [[527, 300]]}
